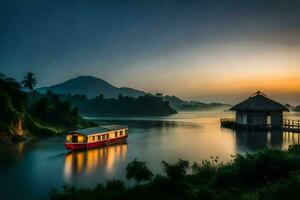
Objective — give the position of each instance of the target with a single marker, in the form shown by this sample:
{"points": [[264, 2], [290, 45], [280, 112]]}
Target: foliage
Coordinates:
{"points": [[297, 108], [12, 94], [113, 185], [29, 81], [43, 117], [12, 108], [268, 174], [202, 106], [257, 169], [52, 110], [138, 171], [177, 171], [180, 104], [123, 105]]}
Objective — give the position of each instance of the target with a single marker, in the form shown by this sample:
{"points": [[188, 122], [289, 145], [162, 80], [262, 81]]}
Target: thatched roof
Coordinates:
{"points": [[259, 102]]}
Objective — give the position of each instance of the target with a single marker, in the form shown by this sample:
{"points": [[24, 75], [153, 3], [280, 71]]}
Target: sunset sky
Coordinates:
{"points": [[203, 50]]}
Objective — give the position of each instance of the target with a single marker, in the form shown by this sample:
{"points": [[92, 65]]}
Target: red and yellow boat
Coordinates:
{"points": [[95, 137]]}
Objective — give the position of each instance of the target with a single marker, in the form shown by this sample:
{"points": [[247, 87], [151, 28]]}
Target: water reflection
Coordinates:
{"points": [[155, 124], [88, 162], [255, 140], [193, 136], [13, 152]]}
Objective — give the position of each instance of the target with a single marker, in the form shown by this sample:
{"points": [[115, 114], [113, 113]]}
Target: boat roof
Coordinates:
{"points": [[98, 129]]}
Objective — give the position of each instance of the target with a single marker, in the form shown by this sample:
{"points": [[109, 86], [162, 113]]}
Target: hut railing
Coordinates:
{"points": [[225, 121], [288, 125], [291, 124]]}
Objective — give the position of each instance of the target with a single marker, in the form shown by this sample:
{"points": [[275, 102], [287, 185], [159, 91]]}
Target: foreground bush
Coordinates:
{"points": [[268, 174]]}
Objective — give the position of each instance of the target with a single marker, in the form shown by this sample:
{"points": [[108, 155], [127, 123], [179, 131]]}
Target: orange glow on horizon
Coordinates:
{"points": [[232, 68]]}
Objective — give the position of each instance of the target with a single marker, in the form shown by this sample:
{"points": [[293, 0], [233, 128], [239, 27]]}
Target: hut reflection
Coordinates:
{"points": [[255, 140], [87, 162]]}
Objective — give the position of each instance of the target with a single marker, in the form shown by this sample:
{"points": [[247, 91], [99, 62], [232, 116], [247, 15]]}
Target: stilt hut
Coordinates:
{"points": [[259, 111]]}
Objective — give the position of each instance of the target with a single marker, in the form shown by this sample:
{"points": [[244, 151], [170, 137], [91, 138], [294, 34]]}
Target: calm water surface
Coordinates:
{"points": [[31, 168]]}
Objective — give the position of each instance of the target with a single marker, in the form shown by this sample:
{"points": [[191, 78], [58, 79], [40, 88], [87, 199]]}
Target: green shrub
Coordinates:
{"points": [[257, 169], [114, 185], [138, 171], [177, 171], [266, 175]]}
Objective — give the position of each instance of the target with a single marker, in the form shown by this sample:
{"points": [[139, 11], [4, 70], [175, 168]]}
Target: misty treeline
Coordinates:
{"points": [[122, 105], [265, 175]]}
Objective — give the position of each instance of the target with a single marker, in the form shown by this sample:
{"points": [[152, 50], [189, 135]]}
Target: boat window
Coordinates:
{"points": [[103, 137], [93, 138], [107, 136], [99, 137], [121, 132], [74, 138], [126, 131], [116, 134]]}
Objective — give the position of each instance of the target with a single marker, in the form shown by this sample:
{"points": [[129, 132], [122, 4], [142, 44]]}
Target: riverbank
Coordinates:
{"points": [[267, 174], [20, 117]]}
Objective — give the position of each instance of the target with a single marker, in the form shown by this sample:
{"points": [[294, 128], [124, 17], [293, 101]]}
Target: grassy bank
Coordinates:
{"points": [[267, 174]]}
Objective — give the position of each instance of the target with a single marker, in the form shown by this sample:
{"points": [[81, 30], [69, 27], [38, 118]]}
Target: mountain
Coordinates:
{"points": [[179, 104], [174, 101], [91, 87], [295, 109]]}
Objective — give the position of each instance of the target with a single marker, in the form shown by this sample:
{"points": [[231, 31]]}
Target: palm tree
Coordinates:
{"points": [[29, 81]]}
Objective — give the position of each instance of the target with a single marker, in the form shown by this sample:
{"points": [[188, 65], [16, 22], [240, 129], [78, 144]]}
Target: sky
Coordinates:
{"points": [[210, 50]]}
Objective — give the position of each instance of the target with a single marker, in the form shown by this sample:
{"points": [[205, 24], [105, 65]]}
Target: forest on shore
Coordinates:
{"points": [[146, 105], [24, 112], [20, 118], [266, 175]]}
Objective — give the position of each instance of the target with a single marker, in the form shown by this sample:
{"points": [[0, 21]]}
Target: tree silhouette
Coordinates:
{"points": [[29, 81], [177, 171], [138, 171]]}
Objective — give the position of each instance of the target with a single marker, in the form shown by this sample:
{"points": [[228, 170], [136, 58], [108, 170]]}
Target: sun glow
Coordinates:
{"points": [[221, 68]]}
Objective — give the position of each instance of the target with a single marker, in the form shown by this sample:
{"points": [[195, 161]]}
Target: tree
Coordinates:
{"points": [[138, 171], [100, 97], [29, 81], [177, 171], [120, 96]]}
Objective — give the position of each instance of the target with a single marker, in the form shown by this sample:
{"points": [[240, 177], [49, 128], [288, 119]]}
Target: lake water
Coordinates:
{"points": [[29, 169]]}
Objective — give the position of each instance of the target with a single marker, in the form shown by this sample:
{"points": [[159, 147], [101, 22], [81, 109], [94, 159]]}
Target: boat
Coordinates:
{"points": [[94, 137]]}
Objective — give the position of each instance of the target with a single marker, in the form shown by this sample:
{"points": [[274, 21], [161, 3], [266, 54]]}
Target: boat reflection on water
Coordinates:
{"points": [[90, 161]]}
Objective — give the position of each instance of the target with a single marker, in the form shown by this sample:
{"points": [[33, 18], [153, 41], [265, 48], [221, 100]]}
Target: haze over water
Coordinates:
{"points": [[195, 136]]}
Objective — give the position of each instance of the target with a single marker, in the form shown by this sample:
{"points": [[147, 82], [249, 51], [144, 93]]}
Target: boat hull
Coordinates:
{"points": [[84, 146]]}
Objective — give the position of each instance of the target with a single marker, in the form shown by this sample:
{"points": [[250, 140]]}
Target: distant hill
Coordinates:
{"points": [[174, 101], [91, 87], [296, 109], [292, 108], [181, 105]]}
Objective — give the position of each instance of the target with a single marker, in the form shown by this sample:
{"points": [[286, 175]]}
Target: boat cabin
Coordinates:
{"points": [[95, 137]]}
